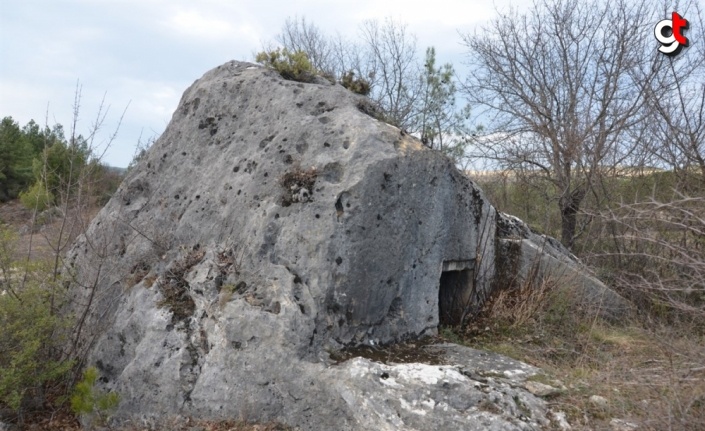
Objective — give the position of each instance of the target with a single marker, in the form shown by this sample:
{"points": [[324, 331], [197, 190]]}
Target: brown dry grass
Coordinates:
{"points": [[651, 376]]}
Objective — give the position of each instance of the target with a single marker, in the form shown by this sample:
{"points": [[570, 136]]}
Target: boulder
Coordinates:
{"points": [[275, 223]]}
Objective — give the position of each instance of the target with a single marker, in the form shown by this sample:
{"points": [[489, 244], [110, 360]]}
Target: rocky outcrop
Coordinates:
{"points": [[274, 223], [526, 257]]}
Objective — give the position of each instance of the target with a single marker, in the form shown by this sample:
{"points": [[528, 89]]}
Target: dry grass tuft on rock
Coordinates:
{"points": [[298, 185], [357, 85], [175, 288]]}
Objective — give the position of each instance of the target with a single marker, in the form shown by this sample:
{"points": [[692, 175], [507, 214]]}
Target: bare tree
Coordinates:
{"points": [[651, 240], [391, 57], [676, 100], [563, 87], [76, 183], [386, 56], [299, 35], [419, 98]]}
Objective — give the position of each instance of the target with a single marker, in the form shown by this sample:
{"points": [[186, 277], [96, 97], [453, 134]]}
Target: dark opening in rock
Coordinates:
{"points": [[455, 291]]}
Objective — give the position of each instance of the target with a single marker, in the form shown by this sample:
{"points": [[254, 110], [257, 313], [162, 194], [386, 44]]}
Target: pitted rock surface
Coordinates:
{"points": [[275, 222]]}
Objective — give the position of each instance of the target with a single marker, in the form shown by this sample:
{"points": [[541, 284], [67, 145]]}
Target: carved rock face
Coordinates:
{"points": [[272, 223]]}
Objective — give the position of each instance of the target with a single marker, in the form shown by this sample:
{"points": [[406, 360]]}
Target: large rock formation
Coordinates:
{"points": [[272, 224]]}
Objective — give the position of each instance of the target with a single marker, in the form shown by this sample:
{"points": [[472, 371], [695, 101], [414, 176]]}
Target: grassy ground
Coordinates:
{"points": [[648, 375]]}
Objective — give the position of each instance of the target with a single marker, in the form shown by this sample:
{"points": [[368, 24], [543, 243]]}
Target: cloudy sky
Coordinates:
{"points": [[140, 55]]}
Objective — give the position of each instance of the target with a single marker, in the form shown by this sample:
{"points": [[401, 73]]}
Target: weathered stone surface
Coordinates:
{"points": [[273, 223], [422, 397]]}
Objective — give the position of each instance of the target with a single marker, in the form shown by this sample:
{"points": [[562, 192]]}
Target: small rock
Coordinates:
{"points": [[622, 425], [541, 389], [557, 383], [598, 401], [559, 420]]}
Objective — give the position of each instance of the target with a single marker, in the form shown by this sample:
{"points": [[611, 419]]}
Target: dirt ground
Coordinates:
{"points": [[50, 226]]}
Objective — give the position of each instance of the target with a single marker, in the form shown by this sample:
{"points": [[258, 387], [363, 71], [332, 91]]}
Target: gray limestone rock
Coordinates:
{"points": [[272, 224], [530, 257]]}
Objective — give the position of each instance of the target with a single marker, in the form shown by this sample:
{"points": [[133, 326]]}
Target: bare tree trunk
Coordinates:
{"points": [[570, 207]]}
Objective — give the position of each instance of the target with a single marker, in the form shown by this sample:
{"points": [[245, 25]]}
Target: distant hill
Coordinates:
{"points": [[116, 169]]}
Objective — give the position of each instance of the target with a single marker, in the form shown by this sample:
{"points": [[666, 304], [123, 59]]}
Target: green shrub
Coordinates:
{"points": [[30, 354], [356, 85], [37, 197], [28, 346], [86, 400], [291, 65]]}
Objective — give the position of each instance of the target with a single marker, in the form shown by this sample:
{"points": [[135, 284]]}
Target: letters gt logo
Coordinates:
{"points": [[669, 32]]}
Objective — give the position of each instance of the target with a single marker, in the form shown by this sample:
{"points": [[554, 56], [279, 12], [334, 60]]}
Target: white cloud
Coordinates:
{"points": [[444, 13], [156, 103], [193, 23], [147, 52]]}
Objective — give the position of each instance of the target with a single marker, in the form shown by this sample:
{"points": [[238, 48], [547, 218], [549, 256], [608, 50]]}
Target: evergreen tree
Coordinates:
{"points": [[15, 160], [442, 126]]}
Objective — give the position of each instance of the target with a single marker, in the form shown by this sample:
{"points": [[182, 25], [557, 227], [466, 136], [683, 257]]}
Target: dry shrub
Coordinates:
{"points": [[356, 85], [518, 307], [548, 314], [654, 254]]}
